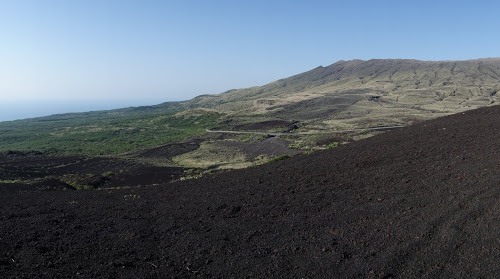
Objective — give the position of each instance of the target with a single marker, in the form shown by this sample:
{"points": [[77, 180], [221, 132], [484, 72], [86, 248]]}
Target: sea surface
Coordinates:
{"points": [[14, 110]]}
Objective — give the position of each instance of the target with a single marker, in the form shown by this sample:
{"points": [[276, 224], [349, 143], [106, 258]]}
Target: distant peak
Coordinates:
{"points": [[402, 60]]}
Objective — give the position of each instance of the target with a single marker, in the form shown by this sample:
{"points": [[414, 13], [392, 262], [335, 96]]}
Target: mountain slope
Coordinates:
{"points": [[421, 201], [362, 93], [313, 109]]}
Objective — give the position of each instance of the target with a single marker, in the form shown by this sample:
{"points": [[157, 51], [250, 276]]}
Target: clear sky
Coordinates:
{"points": [[153, 51]]}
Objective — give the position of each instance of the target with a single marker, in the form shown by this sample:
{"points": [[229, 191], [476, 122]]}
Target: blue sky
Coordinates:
{"points": [[154, 51]]}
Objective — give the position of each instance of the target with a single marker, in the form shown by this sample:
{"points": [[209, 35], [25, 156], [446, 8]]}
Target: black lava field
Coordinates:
{"points": [[420, 201]]}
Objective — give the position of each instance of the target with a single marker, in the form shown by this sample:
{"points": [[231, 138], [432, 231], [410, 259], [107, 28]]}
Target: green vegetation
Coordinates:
{"points": [[279, 158], [9, 181], [192, 174], [198, 173], [333, 145], [103, 133], [212, 155]]}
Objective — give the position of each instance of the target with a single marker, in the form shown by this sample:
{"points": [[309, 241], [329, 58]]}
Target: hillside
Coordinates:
{"points": [[420, 201], [327, 105], [361, 93]]}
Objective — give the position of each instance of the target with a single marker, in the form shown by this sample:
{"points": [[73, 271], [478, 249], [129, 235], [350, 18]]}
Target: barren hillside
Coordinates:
{"points": [[361, 93]]}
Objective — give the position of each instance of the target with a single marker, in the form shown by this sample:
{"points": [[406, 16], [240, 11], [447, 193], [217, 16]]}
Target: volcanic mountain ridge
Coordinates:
{"points": [[345, 101]]}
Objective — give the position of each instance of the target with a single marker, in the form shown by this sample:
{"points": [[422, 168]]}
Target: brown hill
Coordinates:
{"points": [[421, 201], [358, 93]]}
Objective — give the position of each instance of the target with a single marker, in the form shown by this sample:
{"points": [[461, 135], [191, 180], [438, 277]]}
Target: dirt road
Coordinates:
{"points": [[305, 133]]}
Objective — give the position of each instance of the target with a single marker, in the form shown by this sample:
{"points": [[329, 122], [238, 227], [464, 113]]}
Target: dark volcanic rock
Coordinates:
{"points": [[271, 146], [421, 201]]}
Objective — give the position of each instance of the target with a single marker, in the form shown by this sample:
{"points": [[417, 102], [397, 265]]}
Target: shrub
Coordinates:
{"points": [[9, 181], [333, 145], [108, 173], [282, 157]]}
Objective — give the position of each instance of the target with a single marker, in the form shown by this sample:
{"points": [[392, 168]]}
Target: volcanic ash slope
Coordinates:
{"points": [[421, 201]]}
